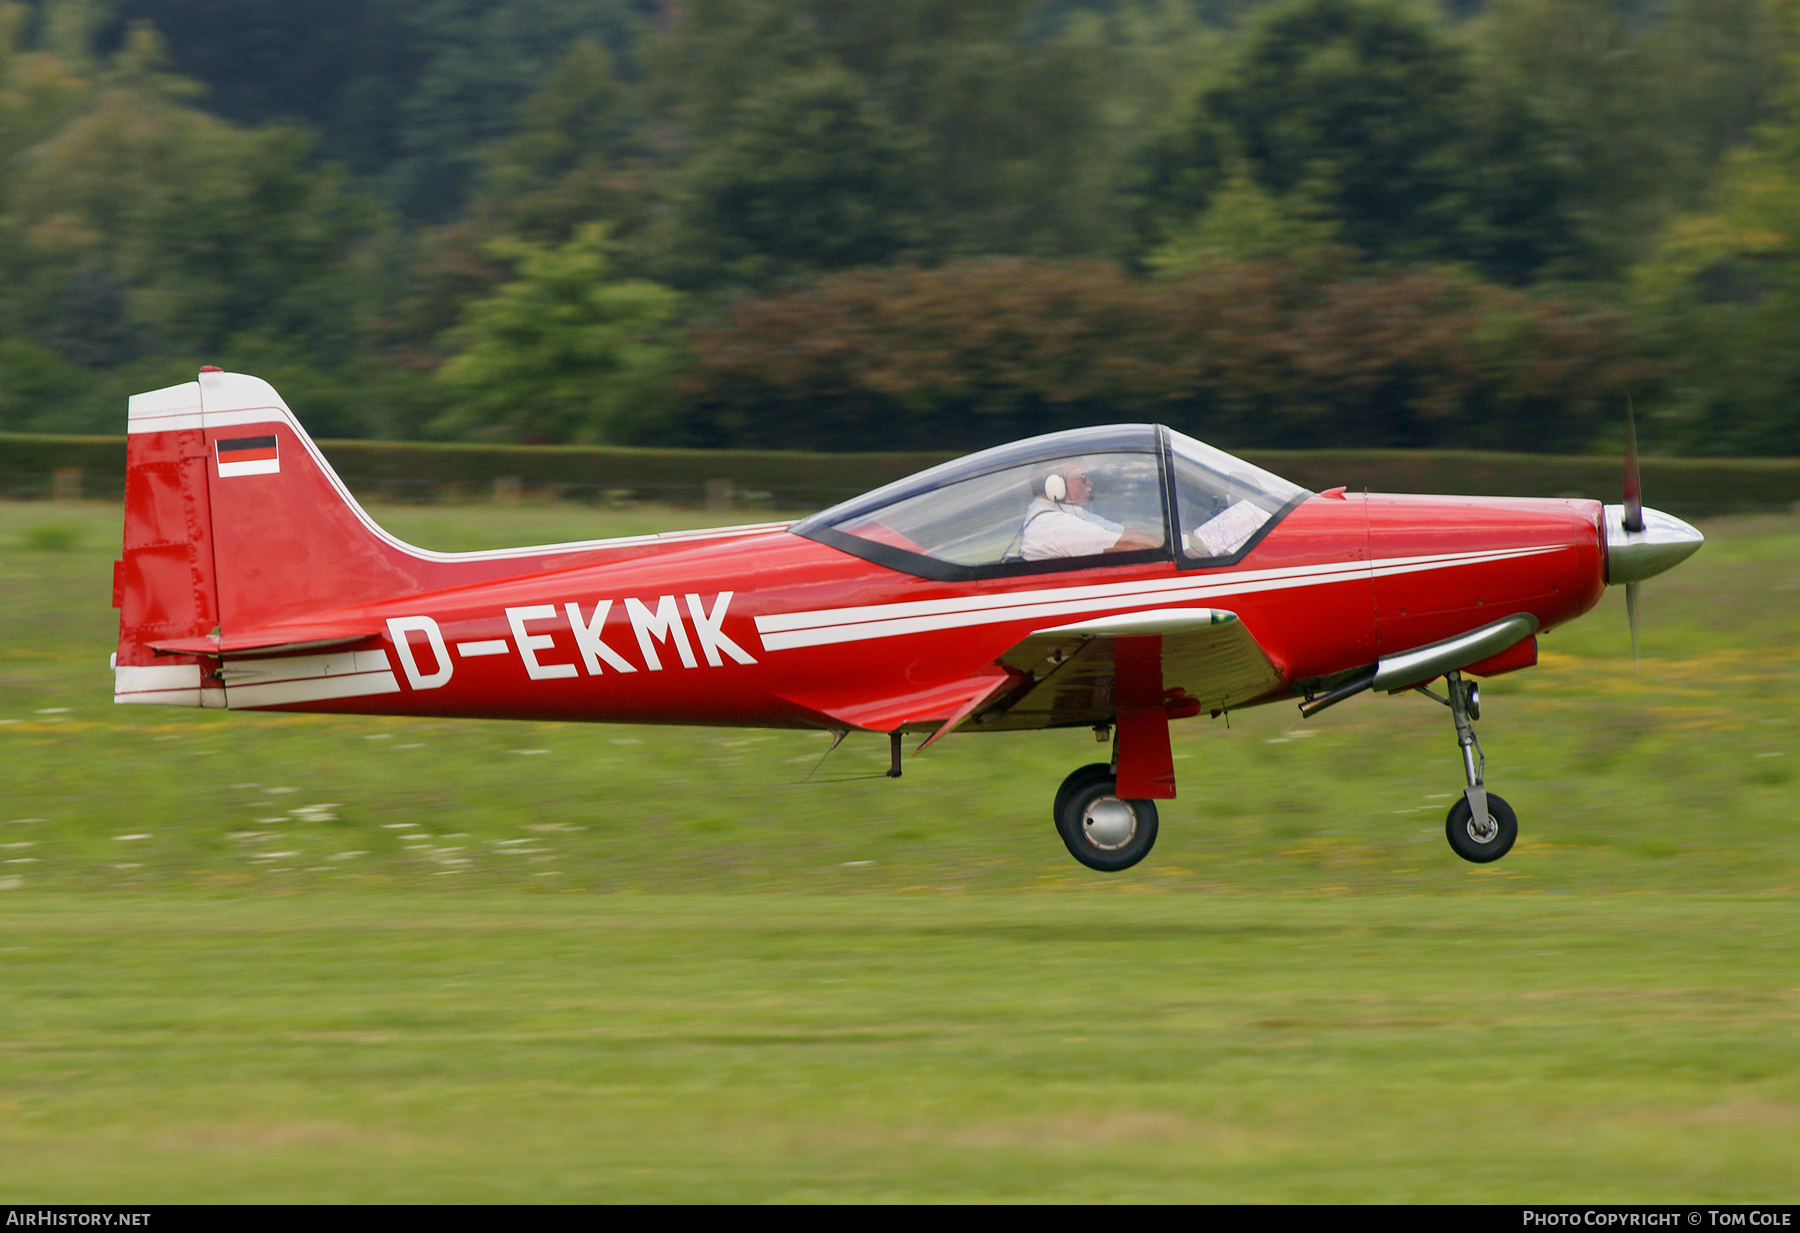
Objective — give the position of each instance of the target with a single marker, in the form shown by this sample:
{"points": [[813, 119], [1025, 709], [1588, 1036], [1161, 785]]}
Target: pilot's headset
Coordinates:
{"points": [[1049, 484]]}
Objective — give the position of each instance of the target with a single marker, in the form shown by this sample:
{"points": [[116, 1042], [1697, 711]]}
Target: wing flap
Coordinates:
{"points": [[940, 706]]}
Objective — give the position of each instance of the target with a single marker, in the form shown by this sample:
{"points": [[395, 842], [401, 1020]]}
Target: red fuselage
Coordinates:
{"points": [[1419, 569], [252, 579]]}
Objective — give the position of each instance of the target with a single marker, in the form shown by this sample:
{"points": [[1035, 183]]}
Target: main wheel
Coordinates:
{"points": [[1093, 772], [1100, 830], [1486, 841]]}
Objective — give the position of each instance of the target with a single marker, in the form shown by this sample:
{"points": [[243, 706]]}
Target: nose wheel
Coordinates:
{"points": [[1484, 841], [1482, 826], [1100, 829]]}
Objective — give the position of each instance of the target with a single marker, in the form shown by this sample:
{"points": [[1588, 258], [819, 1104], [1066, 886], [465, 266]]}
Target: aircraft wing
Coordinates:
{"points": [[1190, 659]]}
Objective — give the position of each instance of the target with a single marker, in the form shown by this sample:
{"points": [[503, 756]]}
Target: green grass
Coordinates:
{"points": [[311, 957]]}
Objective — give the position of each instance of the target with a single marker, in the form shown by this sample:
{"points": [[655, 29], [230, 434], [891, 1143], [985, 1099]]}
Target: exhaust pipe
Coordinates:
{"points": [[1435, 659]]}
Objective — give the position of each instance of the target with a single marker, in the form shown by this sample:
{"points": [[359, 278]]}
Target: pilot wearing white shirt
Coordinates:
{"points": [[1059, 524]]}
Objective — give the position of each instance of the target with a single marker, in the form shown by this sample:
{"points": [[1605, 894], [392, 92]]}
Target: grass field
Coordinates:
{"points": [[282, 957]]}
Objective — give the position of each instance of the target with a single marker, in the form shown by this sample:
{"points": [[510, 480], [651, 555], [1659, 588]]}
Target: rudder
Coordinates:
{"points": [[163, 584]]}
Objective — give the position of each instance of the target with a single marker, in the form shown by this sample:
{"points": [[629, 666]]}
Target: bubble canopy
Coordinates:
{"points": [[1116, 495]]}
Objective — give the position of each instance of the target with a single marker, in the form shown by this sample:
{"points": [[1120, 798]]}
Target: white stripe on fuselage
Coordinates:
{"points": [[788, 630]]}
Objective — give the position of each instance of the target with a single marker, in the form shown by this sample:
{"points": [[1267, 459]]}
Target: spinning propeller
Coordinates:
{"points": [[1633, 520], [1641, 543]]}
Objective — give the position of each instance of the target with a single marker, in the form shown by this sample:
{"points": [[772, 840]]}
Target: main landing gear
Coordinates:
{"points": [[1100, 830], [1482, 826]]}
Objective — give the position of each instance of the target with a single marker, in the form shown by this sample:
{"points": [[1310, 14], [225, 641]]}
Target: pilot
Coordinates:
{"points": [[1059, 524]]}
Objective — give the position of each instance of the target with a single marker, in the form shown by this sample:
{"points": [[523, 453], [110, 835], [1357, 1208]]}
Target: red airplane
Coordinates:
{"points": [[1113, 578]]}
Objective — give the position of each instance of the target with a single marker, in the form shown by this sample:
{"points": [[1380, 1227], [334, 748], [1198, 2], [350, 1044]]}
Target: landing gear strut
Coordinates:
{"points": [[1482, 826], [1100, 830]]}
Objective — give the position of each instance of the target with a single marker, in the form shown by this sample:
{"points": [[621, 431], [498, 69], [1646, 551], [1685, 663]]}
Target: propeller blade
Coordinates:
{"points": [[1631, 615], [1634, 499]]}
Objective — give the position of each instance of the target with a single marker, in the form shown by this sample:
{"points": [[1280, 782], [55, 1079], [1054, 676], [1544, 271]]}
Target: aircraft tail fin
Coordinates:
{"points": [[240, 538], [234, 521]]}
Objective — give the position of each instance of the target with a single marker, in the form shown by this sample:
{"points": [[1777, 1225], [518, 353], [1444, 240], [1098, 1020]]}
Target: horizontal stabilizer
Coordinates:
{"points": [[291, 640], [252, 684]]}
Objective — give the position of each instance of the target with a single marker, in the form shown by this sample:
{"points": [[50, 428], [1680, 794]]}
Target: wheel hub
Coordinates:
{"points": [[1109, 823], [1484, 830]]}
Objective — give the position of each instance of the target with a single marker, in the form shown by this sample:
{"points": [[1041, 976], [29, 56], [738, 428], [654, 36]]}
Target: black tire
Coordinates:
{"points": [[1088, 810], [1093, 772], [1486, 844]]}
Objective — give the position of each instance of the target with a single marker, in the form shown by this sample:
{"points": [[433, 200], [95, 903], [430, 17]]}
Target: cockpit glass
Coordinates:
{"points": [[1079, 506], [1085, 496], [1221, 502]]}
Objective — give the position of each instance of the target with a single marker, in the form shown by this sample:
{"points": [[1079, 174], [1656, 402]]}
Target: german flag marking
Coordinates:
{"points": [[247, 456]]}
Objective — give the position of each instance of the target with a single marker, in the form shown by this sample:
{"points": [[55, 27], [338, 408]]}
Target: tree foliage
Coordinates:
{"points": [[138, 226], [1362, 105], [1327, 221], [1721, 297], [811, 175], [580, 154], [1362, 114], [563, 352], [1019, 116], [1247, 353], [407, 95]]}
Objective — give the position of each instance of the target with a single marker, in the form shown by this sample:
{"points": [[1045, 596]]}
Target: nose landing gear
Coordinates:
{"points": [[1482, 826]]}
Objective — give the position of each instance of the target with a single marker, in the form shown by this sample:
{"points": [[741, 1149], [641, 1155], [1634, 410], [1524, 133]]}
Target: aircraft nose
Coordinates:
{"points": [[1632, 556]]}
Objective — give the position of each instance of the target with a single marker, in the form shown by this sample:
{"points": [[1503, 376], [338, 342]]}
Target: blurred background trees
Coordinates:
{"points": [[840, 224]]}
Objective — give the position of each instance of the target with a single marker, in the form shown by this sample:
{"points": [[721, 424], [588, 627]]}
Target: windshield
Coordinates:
{"points": [[1221, 502]]}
